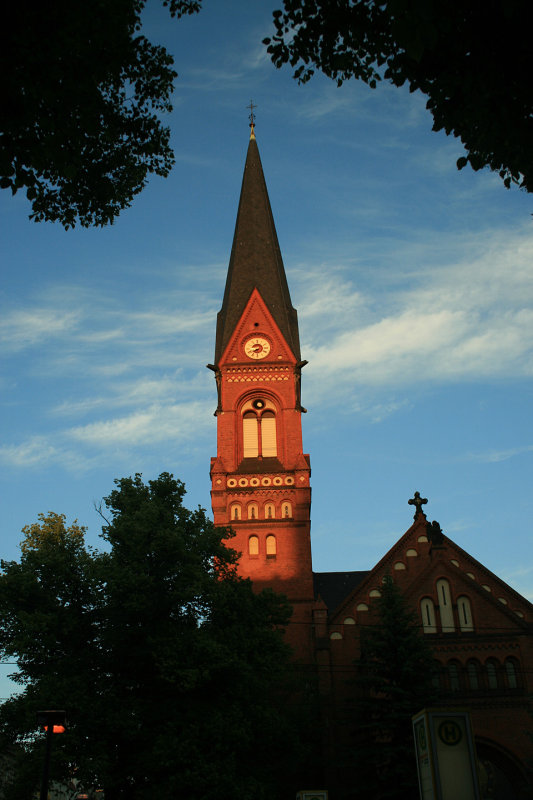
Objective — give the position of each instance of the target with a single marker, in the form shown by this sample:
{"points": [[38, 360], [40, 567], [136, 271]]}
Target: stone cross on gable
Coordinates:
{"points": [[418, 502]]}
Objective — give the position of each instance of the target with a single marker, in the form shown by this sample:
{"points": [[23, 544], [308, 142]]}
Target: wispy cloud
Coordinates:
{"points": [[494, 456], [153, 424], [466, 320], [26, 327], [452, 310]]}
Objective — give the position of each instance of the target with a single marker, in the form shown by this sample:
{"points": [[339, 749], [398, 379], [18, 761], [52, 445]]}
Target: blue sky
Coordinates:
{"points": [[413, 283]]}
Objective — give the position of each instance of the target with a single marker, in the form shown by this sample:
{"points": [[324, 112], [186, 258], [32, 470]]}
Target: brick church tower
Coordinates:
{"points": [[260, 476]]}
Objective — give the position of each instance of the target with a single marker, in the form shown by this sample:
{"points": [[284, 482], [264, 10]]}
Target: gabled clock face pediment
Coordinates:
{"points": [[256, 339]]}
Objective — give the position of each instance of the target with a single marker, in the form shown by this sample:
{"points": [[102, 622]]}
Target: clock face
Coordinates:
{"points": [[257, 347]]}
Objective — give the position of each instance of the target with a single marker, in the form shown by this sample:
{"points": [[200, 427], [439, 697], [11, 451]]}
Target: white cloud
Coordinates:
{"points": [[37, 450], [26, 327], [465, 320], [147, 426], [494, 456]]}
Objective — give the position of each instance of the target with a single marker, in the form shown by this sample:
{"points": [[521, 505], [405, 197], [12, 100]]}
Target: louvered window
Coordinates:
{"points": [[268, 434], [259, 436], [250, 435]]}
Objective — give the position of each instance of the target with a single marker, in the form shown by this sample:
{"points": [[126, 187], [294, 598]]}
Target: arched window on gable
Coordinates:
{"points": [[253, 546], [464, 612], [271, 545], [286, 510], [270, 511], [445, 606], [427, 610]]}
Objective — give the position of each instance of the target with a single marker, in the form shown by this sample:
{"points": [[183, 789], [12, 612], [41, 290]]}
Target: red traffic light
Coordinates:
{"points": [[56, 728]]}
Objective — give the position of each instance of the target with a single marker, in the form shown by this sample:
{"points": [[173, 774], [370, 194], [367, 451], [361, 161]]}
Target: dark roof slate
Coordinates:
{"points": [[334, 587], [255, 262]]}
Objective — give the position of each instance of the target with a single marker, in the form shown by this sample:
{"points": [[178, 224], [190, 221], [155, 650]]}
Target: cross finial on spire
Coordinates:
{"points": [[418, 502], [251, 117]]}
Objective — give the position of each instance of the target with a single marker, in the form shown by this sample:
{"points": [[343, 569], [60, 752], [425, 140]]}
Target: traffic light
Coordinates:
{"points": [[57, 719]]}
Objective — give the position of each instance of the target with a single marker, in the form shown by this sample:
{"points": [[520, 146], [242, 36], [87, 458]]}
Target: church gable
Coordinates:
{"points": [[433, 574]]}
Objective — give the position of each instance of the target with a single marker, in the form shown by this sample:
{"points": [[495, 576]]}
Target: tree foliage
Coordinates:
{"points": [[82, 95], [472, 59], [394, 682], [173, 672]]}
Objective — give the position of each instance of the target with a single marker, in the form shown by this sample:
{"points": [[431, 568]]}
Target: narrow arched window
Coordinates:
{"points": [[511, 673], [427, 609], [472, 671], [270, 510], [250, 435], [453, 676], [253, 511], [437, 673], [464, 612], [253, 546], [445, 606], [235, 511], [286, 510], [492, 673], [271, 545], [268, 434]]}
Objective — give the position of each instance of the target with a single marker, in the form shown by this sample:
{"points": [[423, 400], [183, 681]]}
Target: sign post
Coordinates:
{"points": [[53, 722], [445, 755]]}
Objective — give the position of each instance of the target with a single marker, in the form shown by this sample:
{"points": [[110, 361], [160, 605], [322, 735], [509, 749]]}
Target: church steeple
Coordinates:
{"points": [[260, 475], [256, 262]]}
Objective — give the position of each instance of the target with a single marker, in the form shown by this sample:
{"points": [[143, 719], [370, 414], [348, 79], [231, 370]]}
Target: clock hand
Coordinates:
{"points": [[257, 348]]}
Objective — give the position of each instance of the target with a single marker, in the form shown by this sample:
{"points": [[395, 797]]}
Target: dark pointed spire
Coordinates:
{"points": [[255, 261]]}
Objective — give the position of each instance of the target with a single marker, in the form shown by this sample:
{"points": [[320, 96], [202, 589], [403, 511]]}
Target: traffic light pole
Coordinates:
{"points": [[46, 768]]}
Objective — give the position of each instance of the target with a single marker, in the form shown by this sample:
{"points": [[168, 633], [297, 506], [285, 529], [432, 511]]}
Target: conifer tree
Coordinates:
{"points": [[394, 682]]}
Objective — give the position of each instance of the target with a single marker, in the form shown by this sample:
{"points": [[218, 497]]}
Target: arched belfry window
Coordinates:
{"points": [[250, 435], [268, 434], [259, 430], [270, 510]]}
